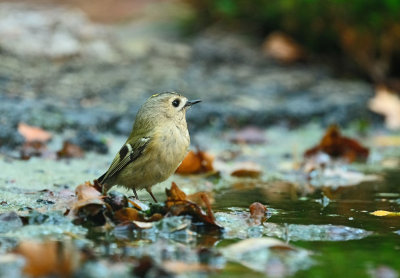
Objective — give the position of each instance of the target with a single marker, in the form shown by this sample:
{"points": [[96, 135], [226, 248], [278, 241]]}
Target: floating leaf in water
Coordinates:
{"points": [[338, 146], [195, 163], [385, 213]]}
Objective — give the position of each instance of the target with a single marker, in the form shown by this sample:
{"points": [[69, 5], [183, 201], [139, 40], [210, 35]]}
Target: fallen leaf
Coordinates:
{"points": [[178, 204], [175, 194], [195, 163], [87, 191], [33, 133], [385, 213], [127, 214], [257, 212], [144, 225], [387, 103], [248, 135], [199, 197], [89, 206], [283, 48], [50, 258], [70, 150], [247, 170], [138, 204], [338, 146]]}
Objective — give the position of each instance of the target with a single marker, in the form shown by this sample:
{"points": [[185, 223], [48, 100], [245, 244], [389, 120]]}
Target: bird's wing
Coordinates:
{"points": [[127, 154]]}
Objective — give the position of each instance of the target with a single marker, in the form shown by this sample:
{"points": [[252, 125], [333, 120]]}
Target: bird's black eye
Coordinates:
{"points": [[176, 102]]}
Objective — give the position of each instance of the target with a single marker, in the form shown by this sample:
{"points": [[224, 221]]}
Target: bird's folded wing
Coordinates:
{"points": [[127, 154]]}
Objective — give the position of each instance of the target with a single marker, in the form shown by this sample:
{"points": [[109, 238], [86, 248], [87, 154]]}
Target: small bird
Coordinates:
{"points": [[156, 146]]}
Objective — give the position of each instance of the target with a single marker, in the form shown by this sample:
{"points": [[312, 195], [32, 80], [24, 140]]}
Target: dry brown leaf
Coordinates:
{"points": [[51, 258], [246, 173], [338, 146], [247, 170], [70, 150], [138, 204], [195, 163], [387, 103], [175, 194], [257, 212], [178, 204], [283, 48], [89, 205], [199, 198], [127, 214], [87, 191]]}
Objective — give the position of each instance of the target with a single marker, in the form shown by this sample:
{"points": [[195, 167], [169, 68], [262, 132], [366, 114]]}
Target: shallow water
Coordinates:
{"points": [[355, 244]]}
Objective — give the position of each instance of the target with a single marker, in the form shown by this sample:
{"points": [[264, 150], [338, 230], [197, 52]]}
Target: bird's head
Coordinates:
{"points": [[168, 106]]}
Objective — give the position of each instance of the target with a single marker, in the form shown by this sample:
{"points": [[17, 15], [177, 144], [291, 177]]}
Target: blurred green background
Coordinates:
{"points": [[364, 35]]}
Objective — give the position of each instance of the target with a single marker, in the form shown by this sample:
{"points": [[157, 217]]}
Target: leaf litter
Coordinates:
{"points": [[185, 219]]}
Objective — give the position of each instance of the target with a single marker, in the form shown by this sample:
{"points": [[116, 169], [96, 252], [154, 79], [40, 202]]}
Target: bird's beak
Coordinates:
{"points": [[191, 102]]}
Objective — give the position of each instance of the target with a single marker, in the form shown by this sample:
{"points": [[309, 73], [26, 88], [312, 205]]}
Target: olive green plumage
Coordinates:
{"points": [[156, 146]]}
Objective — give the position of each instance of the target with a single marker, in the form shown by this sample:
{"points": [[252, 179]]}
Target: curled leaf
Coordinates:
{"points": [[178, 204]]}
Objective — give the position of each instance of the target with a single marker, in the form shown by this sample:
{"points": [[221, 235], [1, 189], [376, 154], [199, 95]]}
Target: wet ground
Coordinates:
{"points": [[97, 81]]}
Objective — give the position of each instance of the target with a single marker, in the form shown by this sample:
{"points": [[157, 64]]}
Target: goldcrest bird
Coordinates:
{"points": [[156, 146]]}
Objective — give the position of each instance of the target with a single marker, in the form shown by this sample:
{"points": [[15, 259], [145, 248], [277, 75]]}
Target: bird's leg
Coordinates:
{"points": [[151, 194], [134, 192]]}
